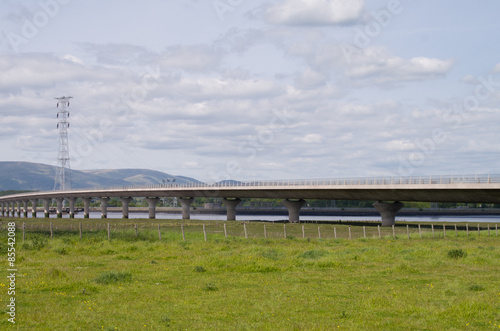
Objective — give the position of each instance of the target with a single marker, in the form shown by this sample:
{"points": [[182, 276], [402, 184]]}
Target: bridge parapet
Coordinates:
{"points": [[348, 181]]}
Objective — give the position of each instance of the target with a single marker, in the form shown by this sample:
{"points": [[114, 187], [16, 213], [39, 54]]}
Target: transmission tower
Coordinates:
{"points": [[63, 178]]}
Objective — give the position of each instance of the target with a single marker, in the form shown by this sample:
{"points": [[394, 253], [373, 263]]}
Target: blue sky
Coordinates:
{"points": [[239, 89]]}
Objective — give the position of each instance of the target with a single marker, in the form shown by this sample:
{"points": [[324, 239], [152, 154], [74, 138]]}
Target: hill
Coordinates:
{"points": [[37, 176]]}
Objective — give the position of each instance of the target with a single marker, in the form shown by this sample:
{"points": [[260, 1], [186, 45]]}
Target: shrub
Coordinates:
{"points": [[456, 253], [199, 269], [476, 287], [113, 277], [211, 287], [313, 254]]}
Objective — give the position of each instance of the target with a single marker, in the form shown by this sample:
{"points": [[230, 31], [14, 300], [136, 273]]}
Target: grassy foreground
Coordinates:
{"points": [[142, 283]]}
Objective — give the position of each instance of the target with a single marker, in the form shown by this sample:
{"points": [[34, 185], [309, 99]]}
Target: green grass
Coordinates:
{"points": [[142, 283]]}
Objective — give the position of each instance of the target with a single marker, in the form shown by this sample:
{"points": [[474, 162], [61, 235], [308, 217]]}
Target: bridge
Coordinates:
{"points": [[387, 191]]}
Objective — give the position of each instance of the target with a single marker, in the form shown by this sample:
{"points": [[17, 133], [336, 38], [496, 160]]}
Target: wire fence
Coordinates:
{"points": [[235, 229]]}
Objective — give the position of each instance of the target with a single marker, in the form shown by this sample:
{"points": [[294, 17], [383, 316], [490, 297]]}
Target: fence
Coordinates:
{"points": [[221, 230]]}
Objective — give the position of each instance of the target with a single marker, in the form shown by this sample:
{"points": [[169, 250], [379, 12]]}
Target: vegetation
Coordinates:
{"points": [[141, 283]]}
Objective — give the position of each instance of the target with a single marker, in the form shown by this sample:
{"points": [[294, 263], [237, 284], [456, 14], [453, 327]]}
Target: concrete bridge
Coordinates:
{"points": [[464, 188]]}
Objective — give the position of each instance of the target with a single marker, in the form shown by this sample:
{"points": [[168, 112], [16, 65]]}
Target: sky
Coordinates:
{"points": [[248, 90]]}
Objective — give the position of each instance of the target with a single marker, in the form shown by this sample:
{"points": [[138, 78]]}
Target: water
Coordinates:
{"points": [[270, 218]]}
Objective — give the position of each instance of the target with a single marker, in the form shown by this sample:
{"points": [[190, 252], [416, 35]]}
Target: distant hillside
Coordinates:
{"points": [[37, 176]]}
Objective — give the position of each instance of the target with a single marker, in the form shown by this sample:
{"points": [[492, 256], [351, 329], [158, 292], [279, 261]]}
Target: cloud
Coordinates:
{"points": [[376, 66], [315, 12], [496, 69]]}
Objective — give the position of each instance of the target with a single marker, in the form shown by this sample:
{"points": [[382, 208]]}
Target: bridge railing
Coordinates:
{"points": [[409, 180]]}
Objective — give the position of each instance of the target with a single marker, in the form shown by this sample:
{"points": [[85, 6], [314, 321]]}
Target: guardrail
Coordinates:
{"points": [[423, 180]]}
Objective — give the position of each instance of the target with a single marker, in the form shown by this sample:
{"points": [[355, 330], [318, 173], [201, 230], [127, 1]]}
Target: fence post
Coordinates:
{"points": [[303, 233], [284, 229], [379, 234], [393, 231], [80, 227], [335, 232], [408, 230], [444, 230], [419, 231], [364, 231], [51, 231], [319, 233], [135, 227], [456, 231], [478, 230], [205, 232], [432, 227], [225, 231], [349, 232], [467, 228], [488, 230], [109, 230], [265, 232], [159, 231], [496, 229], [23, 231], [182, 229]]}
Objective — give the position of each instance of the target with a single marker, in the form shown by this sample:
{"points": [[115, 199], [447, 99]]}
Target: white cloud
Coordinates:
{"points": [[496, 69], [315, 12], [376, 66]]}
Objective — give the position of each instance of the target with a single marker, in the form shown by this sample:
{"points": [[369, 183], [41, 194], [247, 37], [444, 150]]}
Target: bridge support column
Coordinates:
{"points": [[71, 207], [19, 209], [86, 207], [186, 204], [104, 207], [33, 207], [125, 204], [388, 211], [231, 205], [59, 204], [7, 211], [152, 202], [46, 207], [293, 207], [25, 208], [2, 208]]}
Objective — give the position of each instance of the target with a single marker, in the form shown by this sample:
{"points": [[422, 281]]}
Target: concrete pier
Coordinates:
{"points": [[71, 207], [104, 207], [231, 205], [388, 211], [186, 204], [2, 208], [86, 207], [59, 207], [125, 205], [33, 207], [25, 208], [46, 207], [152, 202], [293, 207], [19, 209]]}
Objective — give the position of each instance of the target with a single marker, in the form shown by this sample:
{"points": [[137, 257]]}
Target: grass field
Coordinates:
{"points": [[142, 283]]}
